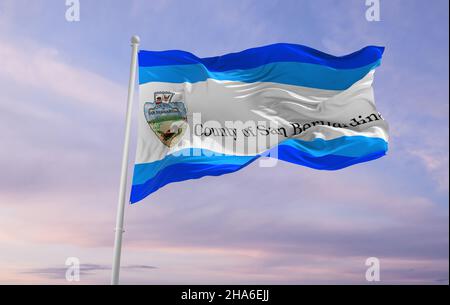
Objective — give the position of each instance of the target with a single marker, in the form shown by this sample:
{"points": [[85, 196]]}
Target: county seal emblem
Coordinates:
{"points": [[166, 116]]}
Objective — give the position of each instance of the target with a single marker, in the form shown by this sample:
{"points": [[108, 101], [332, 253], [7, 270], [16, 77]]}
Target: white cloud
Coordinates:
{"points": [[33, 67]]}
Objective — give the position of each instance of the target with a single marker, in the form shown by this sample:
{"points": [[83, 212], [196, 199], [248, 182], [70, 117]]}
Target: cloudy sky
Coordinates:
{"points": [[62, 105]]}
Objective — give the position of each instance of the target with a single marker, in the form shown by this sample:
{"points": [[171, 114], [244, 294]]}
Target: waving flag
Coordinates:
{"points": [[211, 116]]}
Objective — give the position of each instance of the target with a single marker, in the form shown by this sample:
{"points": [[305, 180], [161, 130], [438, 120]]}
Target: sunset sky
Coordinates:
{"points": [[63, 89]]}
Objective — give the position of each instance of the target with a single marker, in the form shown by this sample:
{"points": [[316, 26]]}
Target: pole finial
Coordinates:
{"points": [[135, 39]]}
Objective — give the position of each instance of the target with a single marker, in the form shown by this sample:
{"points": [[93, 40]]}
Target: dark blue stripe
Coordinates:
{"points": [[255, 57], [186, 171], [328, 162]]}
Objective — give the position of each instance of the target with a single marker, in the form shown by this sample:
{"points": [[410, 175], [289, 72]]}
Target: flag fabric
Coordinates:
{"points": [[211, 116]]}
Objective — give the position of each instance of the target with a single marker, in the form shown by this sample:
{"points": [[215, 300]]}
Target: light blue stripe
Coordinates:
{"points": [[289, 73], [145, 171], [346, 146]]}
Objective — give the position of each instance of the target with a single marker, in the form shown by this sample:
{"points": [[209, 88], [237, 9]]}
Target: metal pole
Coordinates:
{"points": [[123, 176]]}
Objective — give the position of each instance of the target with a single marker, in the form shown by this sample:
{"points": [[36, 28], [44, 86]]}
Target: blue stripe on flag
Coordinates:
{"points": [[319, 154], [255, 57]]}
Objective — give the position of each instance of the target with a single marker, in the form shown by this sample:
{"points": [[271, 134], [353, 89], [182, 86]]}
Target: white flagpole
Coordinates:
{"points": [[123, 176]]}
